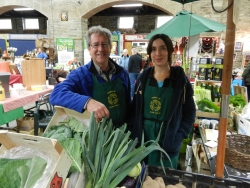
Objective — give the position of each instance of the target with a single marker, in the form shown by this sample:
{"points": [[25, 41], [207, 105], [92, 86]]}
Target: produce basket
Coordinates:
{"points": [[238, 151], [189, 179]]}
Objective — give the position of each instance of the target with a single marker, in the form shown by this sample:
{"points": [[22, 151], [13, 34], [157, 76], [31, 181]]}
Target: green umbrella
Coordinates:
{"points": [[187, 24], [184, 1]]}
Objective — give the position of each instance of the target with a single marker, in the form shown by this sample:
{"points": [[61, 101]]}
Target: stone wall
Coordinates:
{"points": [[145, 24], [81, 17]]}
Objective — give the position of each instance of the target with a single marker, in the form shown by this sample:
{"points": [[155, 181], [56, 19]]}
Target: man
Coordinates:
{"points": [[123, 61], [101, 86], [134, 68]]}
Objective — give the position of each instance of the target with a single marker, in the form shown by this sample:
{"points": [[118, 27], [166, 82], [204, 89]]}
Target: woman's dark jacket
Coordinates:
{"points": [[181, 118]]}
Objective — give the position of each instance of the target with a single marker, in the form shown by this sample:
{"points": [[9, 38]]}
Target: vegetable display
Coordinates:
{"points": [[109, 154], [207, 105]]}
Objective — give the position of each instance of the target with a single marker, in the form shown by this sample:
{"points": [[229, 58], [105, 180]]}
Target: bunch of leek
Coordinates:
{"points": [[109, 154]]}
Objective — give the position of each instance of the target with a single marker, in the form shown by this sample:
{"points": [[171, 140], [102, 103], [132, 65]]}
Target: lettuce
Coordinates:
{"points": [[74, 150], [20, 173], [237, 101], [206, 105]]}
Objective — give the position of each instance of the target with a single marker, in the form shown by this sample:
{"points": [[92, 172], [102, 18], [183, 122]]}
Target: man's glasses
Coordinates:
{"points": [[103, 45]]}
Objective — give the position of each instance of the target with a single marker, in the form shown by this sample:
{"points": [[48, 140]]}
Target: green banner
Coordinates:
{"points": [[115, 37], [65, 44]]}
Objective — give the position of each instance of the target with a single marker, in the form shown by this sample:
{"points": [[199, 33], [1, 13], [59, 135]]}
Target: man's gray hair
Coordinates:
{"points": [[100, 31], [125, 50]]}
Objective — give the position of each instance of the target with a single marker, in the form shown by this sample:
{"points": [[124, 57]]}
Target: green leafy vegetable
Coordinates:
{"points": [[60, 132], [20, 173], [36, 168], [76, 125], [8, 173], [237, 101], [74, 149], [206, 105], [69, 134]]}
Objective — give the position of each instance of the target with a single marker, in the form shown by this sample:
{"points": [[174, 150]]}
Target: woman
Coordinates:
{"points": [[163, 96]]}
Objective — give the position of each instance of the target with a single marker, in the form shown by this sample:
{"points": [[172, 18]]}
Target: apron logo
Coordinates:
{"points": [[155, 104], [112, 99]]}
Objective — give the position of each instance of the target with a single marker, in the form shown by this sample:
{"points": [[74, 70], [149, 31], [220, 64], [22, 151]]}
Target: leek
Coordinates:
{"points": [[109, 154]]}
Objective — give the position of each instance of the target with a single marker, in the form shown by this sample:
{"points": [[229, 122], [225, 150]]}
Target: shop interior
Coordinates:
{"points": [[27, 81]]}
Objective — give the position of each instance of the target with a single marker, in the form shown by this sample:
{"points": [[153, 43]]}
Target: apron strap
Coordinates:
{"points": [[95, 79]]}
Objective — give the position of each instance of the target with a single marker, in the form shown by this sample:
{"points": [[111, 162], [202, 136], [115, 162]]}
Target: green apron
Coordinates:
{"points": [[157, 102], [112, 95]]}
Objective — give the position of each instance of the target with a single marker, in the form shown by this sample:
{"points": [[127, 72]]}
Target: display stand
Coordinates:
{"points": [[229, 171], [33, 72]]}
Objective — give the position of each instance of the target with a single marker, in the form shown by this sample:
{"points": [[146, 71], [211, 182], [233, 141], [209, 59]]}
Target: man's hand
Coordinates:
{"points": [[100, 109]]}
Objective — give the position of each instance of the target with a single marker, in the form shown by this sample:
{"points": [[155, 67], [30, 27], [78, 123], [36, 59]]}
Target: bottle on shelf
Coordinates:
{"points": [[219, 94], [216, 97], [2, 92], [212, 93]]}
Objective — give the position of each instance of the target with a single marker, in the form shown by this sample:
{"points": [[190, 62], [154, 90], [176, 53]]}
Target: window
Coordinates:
{"points": [[30, 23], [162, 19], [126, 22], [5, 24]]}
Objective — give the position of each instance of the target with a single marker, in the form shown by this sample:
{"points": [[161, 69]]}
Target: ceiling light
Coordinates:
{"points": [[23, 9], [128, 5]]}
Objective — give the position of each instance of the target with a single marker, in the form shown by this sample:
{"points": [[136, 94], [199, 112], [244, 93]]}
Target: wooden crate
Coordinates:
{"points": [[63, 114], [206, 114], [33, 72], [47, 146]]}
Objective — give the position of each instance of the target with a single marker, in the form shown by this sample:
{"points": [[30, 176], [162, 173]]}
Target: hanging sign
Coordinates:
{"points": [[65, 49]]}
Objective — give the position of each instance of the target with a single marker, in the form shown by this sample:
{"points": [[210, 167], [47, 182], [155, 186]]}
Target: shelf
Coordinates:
{"points": [[209, 81]]}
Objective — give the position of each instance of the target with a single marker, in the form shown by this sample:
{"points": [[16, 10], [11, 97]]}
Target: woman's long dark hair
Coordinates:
{"points": [[168, 43]]}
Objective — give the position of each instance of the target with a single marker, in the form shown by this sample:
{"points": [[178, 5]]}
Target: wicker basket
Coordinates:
{"points": [[238, 151]]}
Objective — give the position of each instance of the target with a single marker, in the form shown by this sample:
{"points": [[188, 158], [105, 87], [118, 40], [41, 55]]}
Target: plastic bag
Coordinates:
{"points": [[246, 111], [27, 153]]}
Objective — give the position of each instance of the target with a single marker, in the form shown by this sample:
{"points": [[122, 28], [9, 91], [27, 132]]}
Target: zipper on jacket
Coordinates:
{"points": [[184, 94], [138, 88]]}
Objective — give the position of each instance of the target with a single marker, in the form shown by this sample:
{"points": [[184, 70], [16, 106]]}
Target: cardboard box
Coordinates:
{"points": [[25, 123], [64, 114], [243, 125], [39, 43], [48, 146]]}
